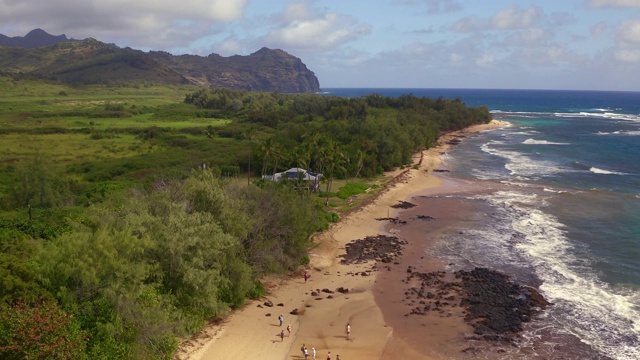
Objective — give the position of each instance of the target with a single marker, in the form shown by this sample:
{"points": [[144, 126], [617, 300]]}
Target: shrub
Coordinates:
{"points": [[43, 331], [352, 189], [332, 217]]}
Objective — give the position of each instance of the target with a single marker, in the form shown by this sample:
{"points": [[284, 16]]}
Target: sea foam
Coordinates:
{"points": [[542, 142], [521, 165], [590, 309], [596, 170]]}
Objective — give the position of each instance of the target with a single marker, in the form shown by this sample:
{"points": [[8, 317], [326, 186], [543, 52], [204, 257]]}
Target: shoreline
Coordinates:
{"points": [[323, 312]]}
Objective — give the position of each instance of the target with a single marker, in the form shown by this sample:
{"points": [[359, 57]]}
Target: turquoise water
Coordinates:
{"points": [[568, 209]]}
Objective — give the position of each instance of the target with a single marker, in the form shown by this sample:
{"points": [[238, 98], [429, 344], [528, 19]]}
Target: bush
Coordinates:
{"points": [[258, 291], [352, 189], [43, 331], [332, 217]]}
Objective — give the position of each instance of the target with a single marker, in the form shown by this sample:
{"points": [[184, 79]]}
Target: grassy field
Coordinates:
{"points": [[94, 134]]}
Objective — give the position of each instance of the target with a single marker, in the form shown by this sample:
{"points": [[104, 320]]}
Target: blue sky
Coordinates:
{"points": [[525, 44]]}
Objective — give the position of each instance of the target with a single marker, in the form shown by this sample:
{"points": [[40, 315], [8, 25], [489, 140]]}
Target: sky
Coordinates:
{"points": [[490, 44]]}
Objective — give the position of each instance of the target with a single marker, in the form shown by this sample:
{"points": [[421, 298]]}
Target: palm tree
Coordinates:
{"points": [[266, 147], [334, 158], [359, 163], [250, 135]]}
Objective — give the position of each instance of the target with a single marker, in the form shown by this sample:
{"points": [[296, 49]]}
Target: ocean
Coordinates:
{"points": [[563, 212]]}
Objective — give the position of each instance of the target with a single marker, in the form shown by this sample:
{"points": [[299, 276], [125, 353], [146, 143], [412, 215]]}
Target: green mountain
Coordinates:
{"points": [[91, 61]]}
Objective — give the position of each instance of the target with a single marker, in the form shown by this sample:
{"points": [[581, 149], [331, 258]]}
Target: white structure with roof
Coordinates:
{"points": [[294, 174]]}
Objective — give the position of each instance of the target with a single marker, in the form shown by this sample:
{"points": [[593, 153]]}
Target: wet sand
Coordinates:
{"points": [[437, 334]]}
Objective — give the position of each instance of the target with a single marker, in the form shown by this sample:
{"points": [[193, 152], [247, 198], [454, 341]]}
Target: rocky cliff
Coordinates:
{"points": [[90, 61]]}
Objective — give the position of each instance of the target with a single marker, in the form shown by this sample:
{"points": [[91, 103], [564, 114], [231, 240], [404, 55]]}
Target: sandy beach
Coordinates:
{"points": [[323, 313]]}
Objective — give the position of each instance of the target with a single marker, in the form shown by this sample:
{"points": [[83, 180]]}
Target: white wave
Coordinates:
{"points": [[524, 132], [596, 170], [620, 132], [553, 191], [542, 142], [607, 114], [520, 165], [606, 319]]}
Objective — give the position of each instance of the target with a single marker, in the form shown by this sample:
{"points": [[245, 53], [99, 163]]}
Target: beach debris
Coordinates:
{"points": [[280, 304], [403, 205], [268, 303], [425, 217], [394, 220], [342, 290], [294, 312]]}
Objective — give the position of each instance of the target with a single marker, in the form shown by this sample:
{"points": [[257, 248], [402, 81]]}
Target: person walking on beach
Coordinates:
{"points": [[281, 335], [313, 353], [348, 331], [302, 349], [306, 353], [329, 355], [289, 329], [281, 319], [306, 276]]}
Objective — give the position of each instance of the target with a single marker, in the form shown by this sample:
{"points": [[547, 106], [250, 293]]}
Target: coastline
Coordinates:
{"points": [[322, 316]]}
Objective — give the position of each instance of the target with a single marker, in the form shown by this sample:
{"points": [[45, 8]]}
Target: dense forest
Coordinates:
{"points": [[119, 258], [372, 134]]}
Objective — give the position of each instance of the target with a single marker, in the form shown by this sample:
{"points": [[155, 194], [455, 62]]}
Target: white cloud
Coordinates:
{"points": [[628, 55], [511, 18], [139, 23], [486, 60], [516, 18], [303, 29], [613, 3], [530, 37], [469, 24], [629, 32], [455, 58], [434, 6], [627, 37], [599, 28]]}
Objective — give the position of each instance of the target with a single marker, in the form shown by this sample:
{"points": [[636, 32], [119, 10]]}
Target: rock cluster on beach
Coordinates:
{"points": [[492, 304], [381, 248]]}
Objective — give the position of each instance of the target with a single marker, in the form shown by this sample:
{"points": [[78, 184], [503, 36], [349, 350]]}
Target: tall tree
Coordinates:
{"points": [[334, 158]]}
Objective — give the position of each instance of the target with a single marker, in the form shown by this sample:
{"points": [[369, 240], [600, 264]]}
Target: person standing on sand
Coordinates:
{"points": [[281, 335], [348, 331], [306, 353], [313, 353], [302, 349], [329, 355], [289, 329], [281, 318], [306, 276]]}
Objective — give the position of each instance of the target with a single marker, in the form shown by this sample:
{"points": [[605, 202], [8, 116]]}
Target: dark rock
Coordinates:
{"points": [[381, 248], [268, 303], [403, 205]]}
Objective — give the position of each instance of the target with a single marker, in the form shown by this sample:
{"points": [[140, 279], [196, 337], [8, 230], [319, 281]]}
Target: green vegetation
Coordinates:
{"points": [[129, 216]]}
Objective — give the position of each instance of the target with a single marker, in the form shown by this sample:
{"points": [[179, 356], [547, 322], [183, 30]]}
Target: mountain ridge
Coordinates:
{"points": [[91, 61]]}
